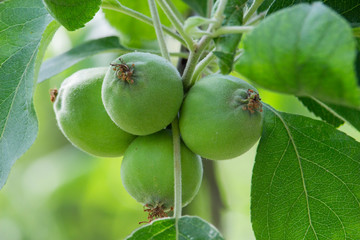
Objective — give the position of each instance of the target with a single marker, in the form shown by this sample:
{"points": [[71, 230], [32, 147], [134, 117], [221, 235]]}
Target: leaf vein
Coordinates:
{"points": [[270, 186], [162, 230], [331, 173], [300, 166], [17, 89], [22, 24], [322, 143], [343, 227]]}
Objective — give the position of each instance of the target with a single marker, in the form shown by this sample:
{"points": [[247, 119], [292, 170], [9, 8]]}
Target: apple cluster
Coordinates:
{"points": [[125, 109]]}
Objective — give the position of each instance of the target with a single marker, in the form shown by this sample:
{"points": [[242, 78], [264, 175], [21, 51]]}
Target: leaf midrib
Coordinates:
{"points": [[300, 166], [17, 87]]}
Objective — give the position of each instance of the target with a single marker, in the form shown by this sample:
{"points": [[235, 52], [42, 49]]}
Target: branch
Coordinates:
{"points": [[139, 16], [201, 45], [232, 30], [256, 4], [158, 29], [201, 66], [176, 23]]}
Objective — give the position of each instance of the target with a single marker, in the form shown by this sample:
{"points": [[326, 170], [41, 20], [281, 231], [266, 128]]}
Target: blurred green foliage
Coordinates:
{"points": [[60, 193], [133, 32]]}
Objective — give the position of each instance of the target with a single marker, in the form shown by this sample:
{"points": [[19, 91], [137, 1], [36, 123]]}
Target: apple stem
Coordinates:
{"points": [[177, 173], [232, 30], [174, 124], [158, 29], [255, 5], [172, 15], [200, 67], [201, 45]]}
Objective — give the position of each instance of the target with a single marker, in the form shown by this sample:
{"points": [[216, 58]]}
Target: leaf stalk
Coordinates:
{"points": [[141, 17], [256, 4], [176, 22], [174, 124]]}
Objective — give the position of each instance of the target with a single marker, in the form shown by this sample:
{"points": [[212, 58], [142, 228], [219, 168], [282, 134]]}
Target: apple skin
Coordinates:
{"points": [[147, 171], [149, 99], [82, 118], [215, 121]]}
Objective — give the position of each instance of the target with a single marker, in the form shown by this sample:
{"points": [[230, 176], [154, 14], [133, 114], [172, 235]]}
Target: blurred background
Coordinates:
{"points": [[58, 192]]}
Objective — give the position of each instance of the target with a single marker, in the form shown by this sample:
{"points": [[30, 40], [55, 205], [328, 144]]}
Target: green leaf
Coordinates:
{"points": [[192, 24], [305, 182], [225, 61], [18, 61], [306, 50], [349, 9], [72, 14], [321, 111], [199, 6], [356, 32], [190, 227], [265, 5], [133, 33], [332, 113], [227, 45], [196, 21], [60, 63], [357, 61]]}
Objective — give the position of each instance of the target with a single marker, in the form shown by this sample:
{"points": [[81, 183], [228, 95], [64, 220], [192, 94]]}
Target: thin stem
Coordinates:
{"points": [[193, 60], [172, 54], [175, 10], [238, 55], [158, 29], [201, 45], [208, 71], [256, 4], [210, 4], [174, 124], [177, 174], [232, 30], [201, 66], [139, 16], [220, 11], [176, 23], [254, 20]]}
